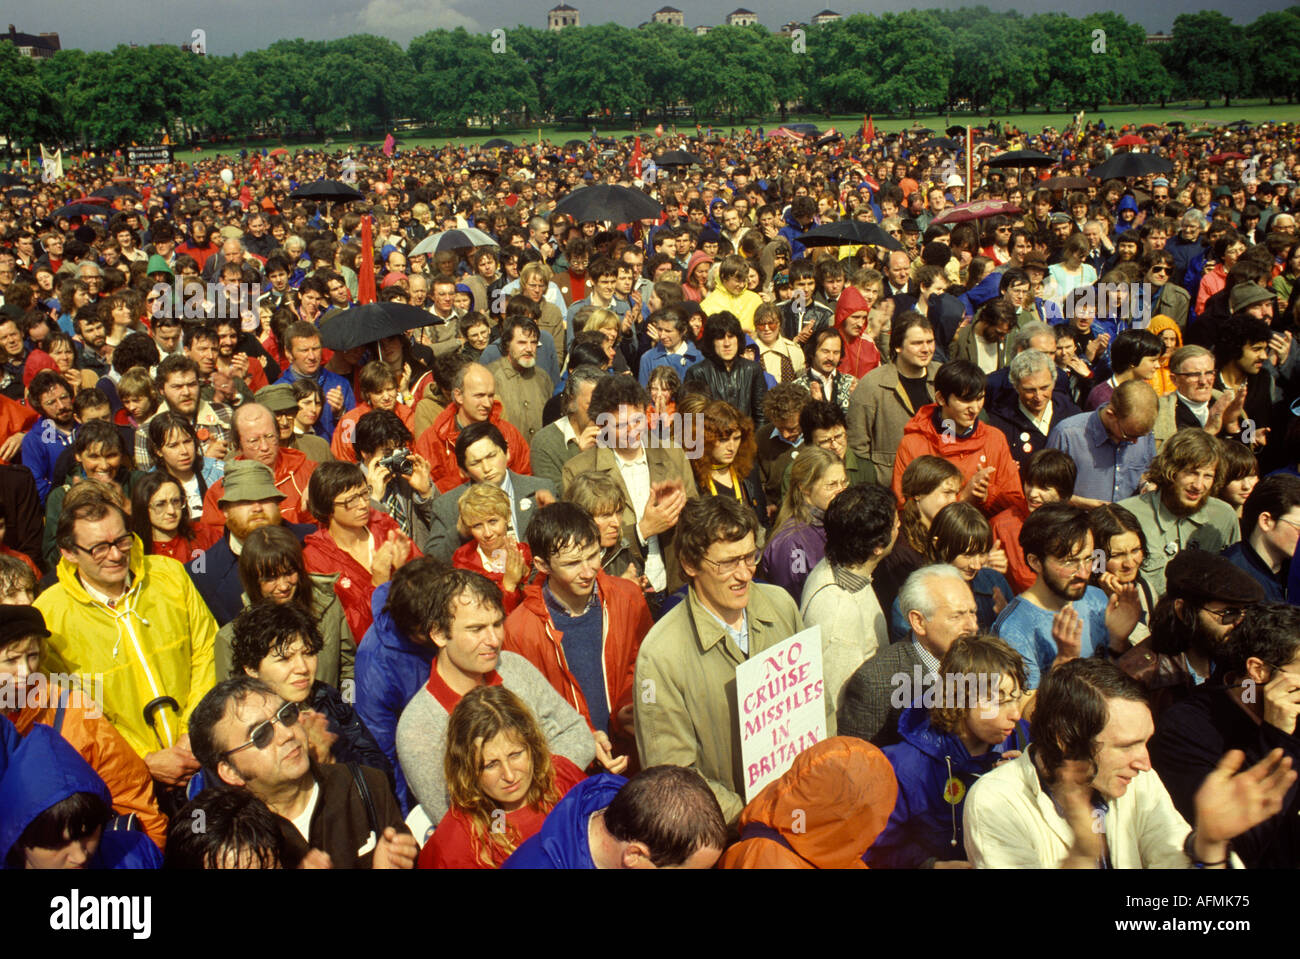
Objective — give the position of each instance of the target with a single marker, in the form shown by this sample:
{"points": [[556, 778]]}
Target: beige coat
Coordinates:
{"points": [[666, 463], [686, 712], [522, 395], [878, 411]]}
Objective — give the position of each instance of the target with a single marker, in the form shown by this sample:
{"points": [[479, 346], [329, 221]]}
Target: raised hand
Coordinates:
{"points": [[1067, 633], [1232, 801]]}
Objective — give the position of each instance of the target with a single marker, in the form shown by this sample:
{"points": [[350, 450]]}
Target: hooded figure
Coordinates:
{"points": [[1163, 381], [860, 354], [1126, 204], [43, 772], [824, 813]]}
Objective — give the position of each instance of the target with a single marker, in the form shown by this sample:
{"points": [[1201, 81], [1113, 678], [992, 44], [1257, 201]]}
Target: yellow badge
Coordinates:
{"points": [[954, 791]]}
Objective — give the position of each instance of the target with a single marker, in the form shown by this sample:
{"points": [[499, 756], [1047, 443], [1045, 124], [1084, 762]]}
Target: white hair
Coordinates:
{"points": [[917, 593]]}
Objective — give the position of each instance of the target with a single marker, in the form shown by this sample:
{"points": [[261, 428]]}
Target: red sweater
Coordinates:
{"points": [[355, 585], [453, 845]]}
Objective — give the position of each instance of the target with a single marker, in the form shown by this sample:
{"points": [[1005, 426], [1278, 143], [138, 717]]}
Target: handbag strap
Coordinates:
{"points": [[366, 798]]}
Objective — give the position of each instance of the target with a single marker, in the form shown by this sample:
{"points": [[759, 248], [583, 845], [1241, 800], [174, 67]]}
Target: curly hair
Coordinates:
{"points": [[1188, 449], [721, 421], [482, 714]]}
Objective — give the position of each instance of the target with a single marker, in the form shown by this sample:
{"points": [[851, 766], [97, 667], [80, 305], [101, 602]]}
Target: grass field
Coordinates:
{"points": [[1192, 114]]}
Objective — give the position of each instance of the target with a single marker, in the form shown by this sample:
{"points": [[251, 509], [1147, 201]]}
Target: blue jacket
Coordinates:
{"points": [[791, 231], [658, 356], [562, 841], [45, 770], [327, 379], [389, 671], [926, 823], [41, 448], [9, 742], [985, 290], [215, 574]]}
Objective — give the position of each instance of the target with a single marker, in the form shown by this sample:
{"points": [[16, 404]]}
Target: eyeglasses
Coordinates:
{"points": [[264, 732], [1196, 374], [99, 552], [353, 501], [1164, 270], [1073, 562], [266, 440], [730, 566], [1228, 616]]}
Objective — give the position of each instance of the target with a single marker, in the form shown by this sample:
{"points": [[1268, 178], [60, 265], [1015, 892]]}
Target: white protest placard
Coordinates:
{"points": [[782, 699]]}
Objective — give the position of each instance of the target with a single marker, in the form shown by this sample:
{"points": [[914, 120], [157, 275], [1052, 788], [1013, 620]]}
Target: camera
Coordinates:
{"points": [[398, 462]]}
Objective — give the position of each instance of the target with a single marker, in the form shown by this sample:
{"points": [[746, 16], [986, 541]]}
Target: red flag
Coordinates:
{"points": [[868, 129], [366, 268], [635, 161], [389, 143], [659, 130]]}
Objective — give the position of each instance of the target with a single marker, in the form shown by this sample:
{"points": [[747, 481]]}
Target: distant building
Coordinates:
{"points": [[826, 16], [701, 30], [557, 18], [1158, 37], [38, 46], [670, 15], [740, 17], [787, 29]]}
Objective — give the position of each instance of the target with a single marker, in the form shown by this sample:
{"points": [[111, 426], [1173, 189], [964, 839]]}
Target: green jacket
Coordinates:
{"points": [[1214, 527], [686, 712], [879, 409]]}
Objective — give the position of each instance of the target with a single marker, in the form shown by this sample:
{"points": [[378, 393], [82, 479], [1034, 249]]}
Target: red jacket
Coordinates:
{"points": [[14, 418], [531, 633], [183, 550], [454, 846], [292, 473], [355, 585], [345, 431], [467, 557], [1006, 527], [986, 446], [437, 444]]}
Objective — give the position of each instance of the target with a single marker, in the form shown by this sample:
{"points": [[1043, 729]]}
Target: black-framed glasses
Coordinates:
{"points": [[264, 732], [99, 551], [1228, 616], [353, 501]]}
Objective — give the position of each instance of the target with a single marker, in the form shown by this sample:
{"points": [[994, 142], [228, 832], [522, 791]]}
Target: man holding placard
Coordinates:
{"points": [[686, 712]]}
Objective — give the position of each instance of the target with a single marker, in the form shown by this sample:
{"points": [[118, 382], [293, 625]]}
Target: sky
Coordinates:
{"points": [[236, 26]]}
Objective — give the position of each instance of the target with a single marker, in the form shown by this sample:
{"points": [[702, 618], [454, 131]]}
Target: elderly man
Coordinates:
{"points": [[1195, 402], [258, 438], [939, 607], [558, 442], [1112, 446], [1026, 417], [473, 400]]}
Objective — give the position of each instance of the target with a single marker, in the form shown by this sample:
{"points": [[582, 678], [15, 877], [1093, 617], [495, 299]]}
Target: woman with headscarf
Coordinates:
{"points": [[1171, 338]]}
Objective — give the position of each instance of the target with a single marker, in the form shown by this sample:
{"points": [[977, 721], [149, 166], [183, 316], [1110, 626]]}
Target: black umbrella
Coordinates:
{"points": [[326, 190], [607, 141], [1021, 158], [8, 179], [1176, 123], [346, 329], [19, 192], [677, 158], [1123, 165], [112, 192], [834, 136], [99, 161], [939, 143], [844, 232], [921, 131], [956, 130], [619, 204], [574, 144], [498, 143], [807, 129], [80, 209]]}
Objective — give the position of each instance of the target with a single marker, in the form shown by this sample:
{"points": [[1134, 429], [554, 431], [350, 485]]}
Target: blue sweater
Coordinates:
{"points": [[1028, 630]]}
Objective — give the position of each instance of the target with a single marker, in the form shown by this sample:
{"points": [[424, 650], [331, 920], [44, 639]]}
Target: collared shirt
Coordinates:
{"points": [[1200, 410], [636, 477], [986, 354], [1213, 527], [1043, 422], [509, 487], [927, 658], [104, 598], [739, 636], [849, 581], [1108, 471]]}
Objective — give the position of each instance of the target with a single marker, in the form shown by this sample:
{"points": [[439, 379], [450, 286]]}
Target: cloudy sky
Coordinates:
{"points": [[235, 26]]}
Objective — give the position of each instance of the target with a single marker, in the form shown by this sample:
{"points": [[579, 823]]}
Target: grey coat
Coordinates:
{"points": [[867, 707], [444, 539], [878, 411]]}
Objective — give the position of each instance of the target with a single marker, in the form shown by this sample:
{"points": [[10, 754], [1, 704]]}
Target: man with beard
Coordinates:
{"points": [[1180, 513], [52, 433], [1248, 354], [247, 500], [522, 388], [177, 379], [1060, 617], [1250, 704], [1205, 598]]}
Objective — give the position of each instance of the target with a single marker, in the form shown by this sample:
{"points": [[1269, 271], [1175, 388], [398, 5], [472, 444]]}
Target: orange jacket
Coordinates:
{"points": [[292, 473], [14, 418], [829, 806], [123, 771], [1006, 527], [984, 447], [531, 633], [345, 431], [437, 444]]}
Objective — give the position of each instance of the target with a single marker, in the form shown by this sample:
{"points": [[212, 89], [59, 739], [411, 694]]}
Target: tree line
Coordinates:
{"points": [[919, 60]]}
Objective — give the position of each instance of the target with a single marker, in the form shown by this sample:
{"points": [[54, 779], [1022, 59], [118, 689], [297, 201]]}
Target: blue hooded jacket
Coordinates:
{"points": [[1126, 202], [985, 290], [45, 770], [9, 742], [925, 823], [562, 841], [792, 231], [389, 671]]}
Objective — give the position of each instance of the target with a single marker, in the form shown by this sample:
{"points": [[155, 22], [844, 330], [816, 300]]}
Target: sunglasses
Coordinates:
{"points": [[264, 732]]}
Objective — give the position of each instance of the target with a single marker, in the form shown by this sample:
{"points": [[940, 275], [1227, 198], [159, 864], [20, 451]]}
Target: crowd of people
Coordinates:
{"points": [[475, 595]]}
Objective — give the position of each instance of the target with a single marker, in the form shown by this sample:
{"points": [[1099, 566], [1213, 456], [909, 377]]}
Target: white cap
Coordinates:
{"points": [[954, 180]]}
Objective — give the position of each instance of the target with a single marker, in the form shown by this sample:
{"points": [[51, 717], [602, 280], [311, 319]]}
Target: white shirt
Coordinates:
{"points": [[1041, 423], [1200, 410], [986, 354], [509, 489], [636, 477], [302, 822]]}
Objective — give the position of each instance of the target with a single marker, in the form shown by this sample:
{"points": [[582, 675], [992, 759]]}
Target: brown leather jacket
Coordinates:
{"points": [[1166, 677]]}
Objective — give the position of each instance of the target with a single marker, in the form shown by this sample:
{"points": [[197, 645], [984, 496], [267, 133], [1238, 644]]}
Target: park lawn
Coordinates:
{"points": [[1193, 114]]}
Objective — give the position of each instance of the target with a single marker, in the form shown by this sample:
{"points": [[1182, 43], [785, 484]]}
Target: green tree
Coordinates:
{"points": [[599, 70], [730, 73], [1209, 53], [27, 111], [1274, 40], [847, 53], [538, 49], [460, 78], [917, 60]]}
